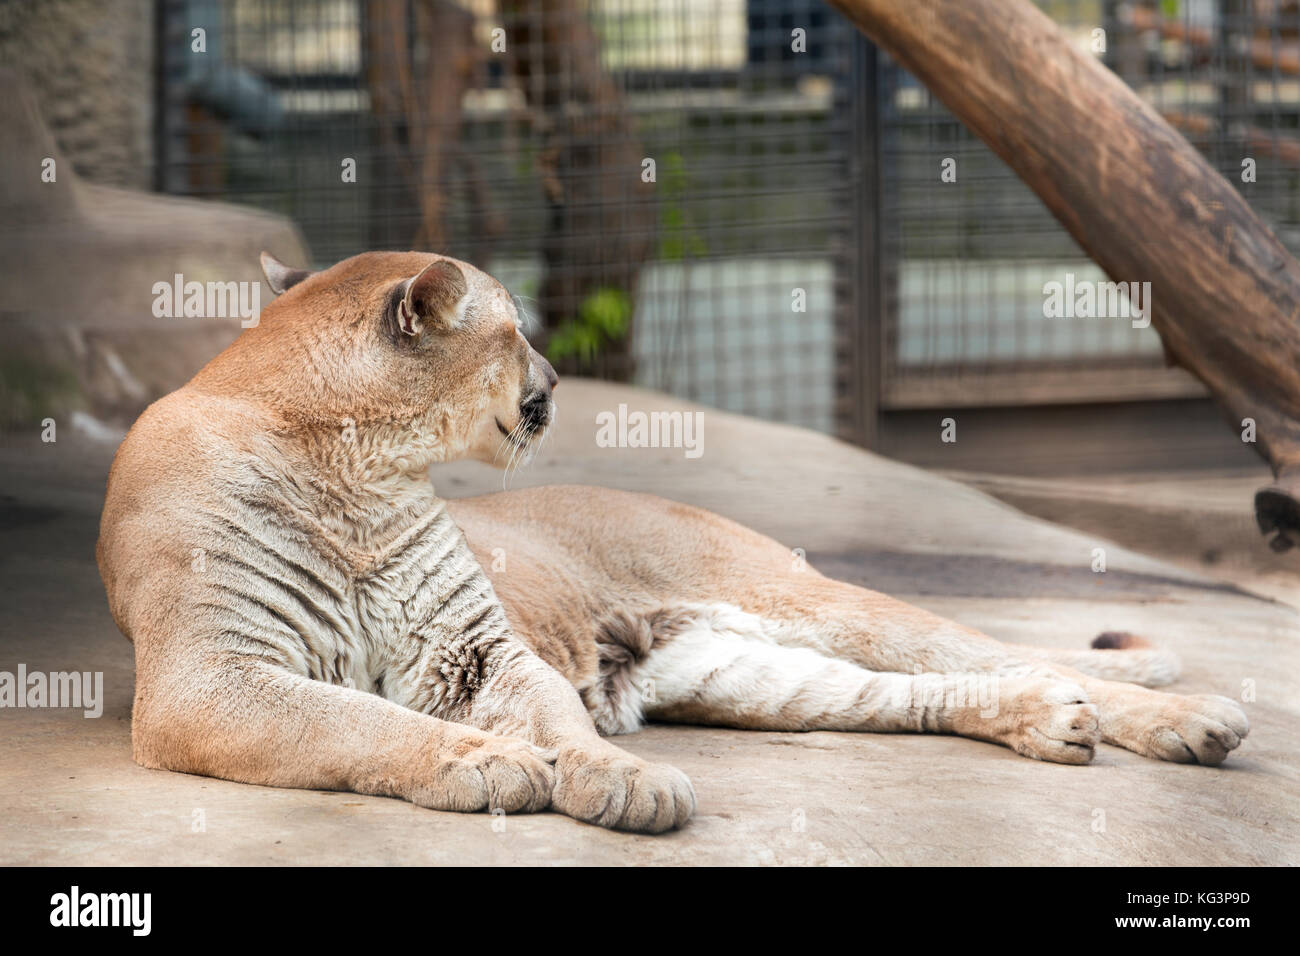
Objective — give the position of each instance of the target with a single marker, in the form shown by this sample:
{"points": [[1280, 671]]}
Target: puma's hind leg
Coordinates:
{"points": [[879, 633], [714, 664]]}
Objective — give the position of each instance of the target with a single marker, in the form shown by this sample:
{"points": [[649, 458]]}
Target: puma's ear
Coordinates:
{"points": [[435, 297], [280, 277]]}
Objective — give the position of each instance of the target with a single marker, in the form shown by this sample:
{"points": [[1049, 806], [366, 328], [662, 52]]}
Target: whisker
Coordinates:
{"points": [[505, 440], [526, 319], [514, 440]]}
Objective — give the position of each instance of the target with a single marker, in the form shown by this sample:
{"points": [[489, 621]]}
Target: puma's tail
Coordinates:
{"points": [[1118, 655]]}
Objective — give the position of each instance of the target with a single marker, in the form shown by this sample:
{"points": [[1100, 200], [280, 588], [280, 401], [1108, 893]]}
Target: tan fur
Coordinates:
{"points": [[307, 613]]}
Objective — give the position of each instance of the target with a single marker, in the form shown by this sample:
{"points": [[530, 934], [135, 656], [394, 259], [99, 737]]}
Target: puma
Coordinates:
{"points": [[307, 612]]}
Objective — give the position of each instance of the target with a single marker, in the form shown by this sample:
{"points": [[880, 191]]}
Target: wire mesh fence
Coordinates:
{"points": [[653, 179], [736, 201]]}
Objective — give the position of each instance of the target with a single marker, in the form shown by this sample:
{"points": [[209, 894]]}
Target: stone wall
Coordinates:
{"points": [[80, 340], [89, 65]]}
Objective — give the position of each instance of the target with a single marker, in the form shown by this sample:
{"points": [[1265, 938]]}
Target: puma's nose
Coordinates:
{"points": [[548, 373], [537, 408]]}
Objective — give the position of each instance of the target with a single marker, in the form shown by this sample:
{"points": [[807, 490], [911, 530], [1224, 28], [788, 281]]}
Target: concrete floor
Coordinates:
{"points": [[69, 793]]}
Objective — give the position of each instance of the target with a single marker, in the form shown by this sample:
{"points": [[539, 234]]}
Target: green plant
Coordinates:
{"points": [[602, 318], [678, 237]]}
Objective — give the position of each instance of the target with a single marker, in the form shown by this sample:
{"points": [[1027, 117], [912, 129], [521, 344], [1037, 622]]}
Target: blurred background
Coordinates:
{"points": [[794, 166]]}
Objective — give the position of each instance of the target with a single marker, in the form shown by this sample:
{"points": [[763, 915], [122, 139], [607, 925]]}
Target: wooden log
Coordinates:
{"points": [[1139, 199]]}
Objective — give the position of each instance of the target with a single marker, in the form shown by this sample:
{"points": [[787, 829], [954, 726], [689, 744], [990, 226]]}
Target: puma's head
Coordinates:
{"points": [[420, 354]]}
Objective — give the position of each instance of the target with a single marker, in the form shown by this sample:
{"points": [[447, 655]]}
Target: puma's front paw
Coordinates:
{"points": [[1044, 719], [1203, 728], [489, 773], [612, 788]]}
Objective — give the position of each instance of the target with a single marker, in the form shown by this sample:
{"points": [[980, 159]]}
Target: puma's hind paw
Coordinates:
{"points": [[1202, 728], [1040, 718]]}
